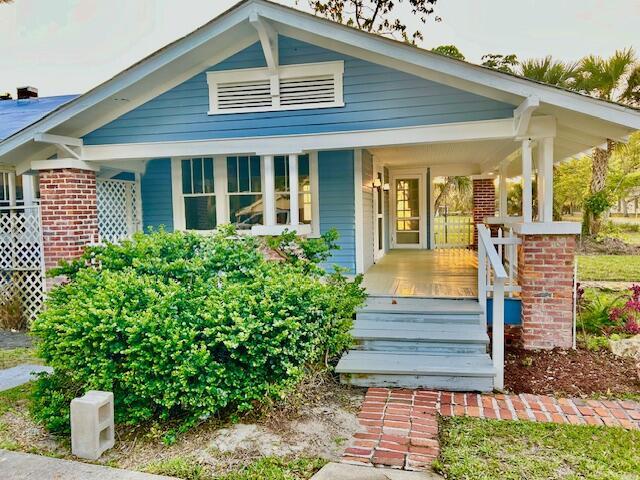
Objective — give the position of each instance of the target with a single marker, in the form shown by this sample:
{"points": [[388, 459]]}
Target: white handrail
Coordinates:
{"points": [[487, 250]]}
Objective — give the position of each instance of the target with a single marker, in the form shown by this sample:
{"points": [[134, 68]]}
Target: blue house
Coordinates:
{"points": [[272, 119]]}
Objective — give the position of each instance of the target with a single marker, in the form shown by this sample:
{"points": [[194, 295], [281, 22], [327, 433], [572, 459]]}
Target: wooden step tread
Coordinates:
{"points": [[393, 363], [414, 331]]}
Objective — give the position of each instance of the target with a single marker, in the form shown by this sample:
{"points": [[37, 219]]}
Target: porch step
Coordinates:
{"points": [[420, 310], [419, 342], [386, 369], [451, 337]]}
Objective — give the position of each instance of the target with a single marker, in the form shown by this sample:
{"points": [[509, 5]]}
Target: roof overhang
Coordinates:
{"points": [[582, 121]]}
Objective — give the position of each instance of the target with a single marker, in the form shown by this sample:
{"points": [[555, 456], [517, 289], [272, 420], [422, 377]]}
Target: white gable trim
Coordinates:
{"points": [[328, 34]]}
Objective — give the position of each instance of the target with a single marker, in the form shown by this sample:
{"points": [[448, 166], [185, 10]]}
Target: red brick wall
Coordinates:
{"points": [[545, 274], [69, 213], [484, 203]]}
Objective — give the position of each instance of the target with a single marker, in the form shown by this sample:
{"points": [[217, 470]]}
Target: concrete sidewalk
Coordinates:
{"points": [[16, 376], [24, 466]]}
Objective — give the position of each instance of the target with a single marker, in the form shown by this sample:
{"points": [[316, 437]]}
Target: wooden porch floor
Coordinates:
{"points": [[440, 273]]}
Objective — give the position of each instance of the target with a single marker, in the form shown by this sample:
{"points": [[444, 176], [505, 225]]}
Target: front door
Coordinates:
{"points": [[407, 201]]}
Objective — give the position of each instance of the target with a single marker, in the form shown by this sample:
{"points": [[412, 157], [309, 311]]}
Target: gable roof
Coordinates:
{"points": [[585, 120], [19, 114]]}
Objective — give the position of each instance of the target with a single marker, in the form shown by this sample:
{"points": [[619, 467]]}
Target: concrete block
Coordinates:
{"points": [[92, 426]]}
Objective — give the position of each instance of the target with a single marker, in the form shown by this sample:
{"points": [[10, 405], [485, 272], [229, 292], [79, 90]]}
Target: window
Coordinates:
{"points": [[199, 195], [294, 87], [244, 185], [5, 193], [281, 167]]}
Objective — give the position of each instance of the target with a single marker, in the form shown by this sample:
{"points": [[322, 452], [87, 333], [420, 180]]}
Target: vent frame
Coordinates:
{"points": [[283, 89]]}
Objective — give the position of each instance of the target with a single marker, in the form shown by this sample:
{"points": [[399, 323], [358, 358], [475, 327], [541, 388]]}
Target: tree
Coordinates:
{"points": [[624, 168], [376, 16], [571, 184], [503, 63], [631, 94], [548, 70], [457, 190], [449, 51], [606, 79]]}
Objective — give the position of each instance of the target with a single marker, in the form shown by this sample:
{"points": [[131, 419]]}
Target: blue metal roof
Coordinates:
{"points": [[18, 114]]}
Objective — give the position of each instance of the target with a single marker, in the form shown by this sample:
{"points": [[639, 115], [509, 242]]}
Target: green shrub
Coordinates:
{"points": [[182, 327]]}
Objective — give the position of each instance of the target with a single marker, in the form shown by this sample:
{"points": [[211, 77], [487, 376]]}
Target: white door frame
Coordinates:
{"points": [[378, 253], [422, 210]]}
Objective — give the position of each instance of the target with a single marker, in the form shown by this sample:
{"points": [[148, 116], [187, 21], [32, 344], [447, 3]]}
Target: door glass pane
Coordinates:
{"points": [[407, 211], [379, 194]]}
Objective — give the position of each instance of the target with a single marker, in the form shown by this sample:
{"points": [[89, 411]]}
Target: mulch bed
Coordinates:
{"points": [[606, 246], [571, 373]]}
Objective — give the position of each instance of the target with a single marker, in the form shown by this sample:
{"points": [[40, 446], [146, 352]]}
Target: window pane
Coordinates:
{"points": [[200, 213], [232, 174], [186, 176], [305, 205], [196, 164], [303, 172], [281, 167], [243, 169], [283, 202], [245, 210], [208, 175], [256, 180]]}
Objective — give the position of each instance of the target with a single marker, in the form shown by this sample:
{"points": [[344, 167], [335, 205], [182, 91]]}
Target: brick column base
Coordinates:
{"points": [[545, 274], [69, 212], [484, 203]]}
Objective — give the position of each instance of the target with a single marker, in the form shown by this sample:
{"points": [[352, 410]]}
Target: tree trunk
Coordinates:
{"points": [[600, 165], [443, 193]]}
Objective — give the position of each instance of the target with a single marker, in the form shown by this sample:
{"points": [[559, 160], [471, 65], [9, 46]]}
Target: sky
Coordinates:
{"points": [[69, 46]]}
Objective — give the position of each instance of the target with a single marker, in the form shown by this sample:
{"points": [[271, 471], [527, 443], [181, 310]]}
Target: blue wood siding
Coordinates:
{"points": [[337, 203], [157, 206], [512, 311], [375, 97]]}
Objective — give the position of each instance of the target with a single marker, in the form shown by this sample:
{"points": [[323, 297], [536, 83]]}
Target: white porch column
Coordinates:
{"points": [[545, 177], [502, 192], [294, 213], [220, 188], [28, 189], [269, 196], [12, 188], [527, 197]]}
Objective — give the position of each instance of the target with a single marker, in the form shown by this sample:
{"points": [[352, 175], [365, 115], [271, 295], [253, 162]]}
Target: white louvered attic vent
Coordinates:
{"points": [[292, 87], [242, 95]]}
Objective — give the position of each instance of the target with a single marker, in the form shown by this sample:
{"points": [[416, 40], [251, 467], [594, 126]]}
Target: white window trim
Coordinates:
{"points": [[222, 193], [284, 72]]}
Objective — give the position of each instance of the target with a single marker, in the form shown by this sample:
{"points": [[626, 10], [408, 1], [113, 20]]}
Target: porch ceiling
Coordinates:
{"points": [[471, 154]]}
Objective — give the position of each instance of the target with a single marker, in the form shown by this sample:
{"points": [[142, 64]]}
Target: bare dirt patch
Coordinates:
{"points": [[314, 421], [579, 372]]}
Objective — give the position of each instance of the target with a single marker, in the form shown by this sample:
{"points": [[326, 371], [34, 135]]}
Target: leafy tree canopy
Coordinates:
{"points": [[377, 16], [504, 63], [449, 50]]}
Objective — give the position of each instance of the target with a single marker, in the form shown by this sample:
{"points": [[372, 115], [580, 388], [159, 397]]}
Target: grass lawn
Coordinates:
{"points": [[472, 448], [16, 356], [268, 468], [609, 267]]}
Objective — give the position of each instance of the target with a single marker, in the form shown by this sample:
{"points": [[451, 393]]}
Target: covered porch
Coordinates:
{"points": [[437, 273]]}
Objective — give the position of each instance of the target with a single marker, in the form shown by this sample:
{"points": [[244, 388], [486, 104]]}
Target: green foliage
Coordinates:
{"points": [[616, 268], [449, 51], [548, 70], [179, 467], [503, 63], [307, 251], [598, 203], [182, 327], [571, 183]]}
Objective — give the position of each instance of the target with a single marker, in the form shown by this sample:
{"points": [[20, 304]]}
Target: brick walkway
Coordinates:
{"points": [[400, 427]]}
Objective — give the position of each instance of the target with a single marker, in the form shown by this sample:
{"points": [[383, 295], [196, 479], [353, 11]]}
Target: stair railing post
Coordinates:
{"points": [[482, 280], [497, 333]]}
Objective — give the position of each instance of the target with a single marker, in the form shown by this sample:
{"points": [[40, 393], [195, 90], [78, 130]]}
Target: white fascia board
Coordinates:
{"points": [[384, 47], [129, 76], [60, 163], [454, 132], [547, 228]]}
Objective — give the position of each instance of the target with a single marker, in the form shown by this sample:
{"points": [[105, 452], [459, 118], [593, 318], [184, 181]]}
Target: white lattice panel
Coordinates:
{"points": [[118, 212], [21, 259]]}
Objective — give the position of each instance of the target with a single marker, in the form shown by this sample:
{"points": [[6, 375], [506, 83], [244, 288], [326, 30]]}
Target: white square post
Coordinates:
{"points": [[269, 192], [92, 424], [294, 214], [527, 194]]}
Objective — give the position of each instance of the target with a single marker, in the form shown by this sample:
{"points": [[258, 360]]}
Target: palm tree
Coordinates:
{"points": [[548, 70], [631, 94], [608, 79]]}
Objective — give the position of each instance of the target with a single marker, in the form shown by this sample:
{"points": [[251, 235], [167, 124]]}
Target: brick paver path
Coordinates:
{"points": [[400, 426]]}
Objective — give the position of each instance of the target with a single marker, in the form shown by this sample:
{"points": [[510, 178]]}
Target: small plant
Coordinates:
{"points": [[11, 312], [627, 317]]}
